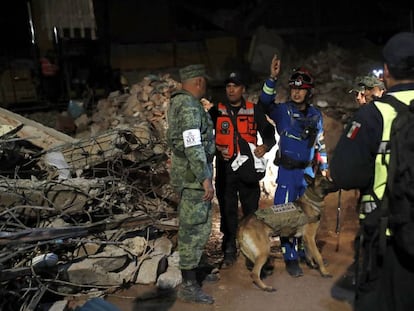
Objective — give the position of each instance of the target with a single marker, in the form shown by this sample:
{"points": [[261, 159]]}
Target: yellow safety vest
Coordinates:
{"points": [[383, 157]]}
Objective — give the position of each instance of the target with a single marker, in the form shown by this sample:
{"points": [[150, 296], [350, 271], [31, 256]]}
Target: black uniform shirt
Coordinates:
{"points": [[353, 162]]}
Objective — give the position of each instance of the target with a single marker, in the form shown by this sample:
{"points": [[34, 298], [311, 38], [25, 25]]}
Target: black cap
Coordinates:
{"points": [[399, 50], [236, 78]]}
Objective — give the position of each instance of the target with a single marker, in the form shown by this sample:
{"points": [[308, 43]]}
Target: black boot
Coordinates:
{"points": [[268, 267], [348, 280], [293, 268], [190, 291], [290, 254], [344, 288], [230, 254], [207, 273]]}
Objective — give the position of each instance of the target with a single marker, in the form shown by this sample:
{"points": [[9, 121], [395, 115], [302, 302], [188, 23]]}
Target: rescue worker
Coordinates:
{"points": [[367, 88], [191, 139], [50, 77], [384, 282], [300, 127], [230, 187]]}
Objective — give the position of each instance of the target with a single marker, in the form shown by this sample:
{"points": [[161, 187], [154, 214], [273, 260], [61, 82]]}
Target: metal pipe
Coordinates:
{"points": [[32, 29]]}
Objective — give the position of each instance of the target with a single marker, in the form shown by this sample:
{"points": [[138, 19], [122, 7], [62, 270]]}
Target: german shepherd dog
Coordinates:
{"points": [[254, 233]]}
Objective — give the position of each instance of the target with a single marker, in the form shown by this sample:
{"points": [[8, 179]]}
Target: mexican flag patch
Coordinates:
{"points": [[353, 130]]}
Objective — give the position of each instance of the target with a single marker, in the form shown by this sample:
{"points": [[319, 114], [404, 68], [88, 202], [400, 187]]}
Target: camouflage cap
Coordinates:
{"points": [[193, 71], [363, 82]]}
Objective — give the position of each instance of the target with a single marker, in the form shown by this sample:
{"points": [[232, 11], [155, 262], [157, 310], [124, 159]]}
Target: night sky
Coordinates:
{"points": [[129, 21]]}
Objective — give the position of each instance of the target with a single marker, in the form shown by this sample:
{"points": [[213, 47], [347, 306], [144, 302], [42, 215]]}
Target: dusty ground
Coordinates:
{"points": [[235, 290]]}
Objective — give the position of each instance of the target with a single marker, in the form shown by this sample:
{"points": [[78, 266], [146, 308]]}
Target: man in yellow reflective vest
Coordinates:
{"points": [[385, 281]]}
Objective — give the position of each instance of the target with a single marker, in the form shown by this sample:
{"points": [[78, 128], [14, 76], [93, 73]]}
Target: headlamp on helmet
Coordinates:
{"points": [[301, 79]]}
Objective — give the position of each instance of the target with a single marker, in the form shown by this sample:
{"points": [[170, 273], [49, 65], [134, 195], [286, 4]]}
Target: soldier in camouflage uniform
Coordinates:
{"points": [[191, 139], [367, 88]]}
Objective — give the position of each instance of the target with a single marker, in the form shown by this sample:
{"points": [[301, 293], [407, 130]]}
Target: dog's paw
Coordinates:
{"points": [[326, 275], [269, 289], [265, 287]]}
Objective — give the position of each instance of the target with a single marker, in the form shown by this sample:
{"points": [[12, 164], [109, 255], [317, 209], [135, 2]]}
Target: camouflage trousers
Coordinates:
{"points": [[194, 230]]}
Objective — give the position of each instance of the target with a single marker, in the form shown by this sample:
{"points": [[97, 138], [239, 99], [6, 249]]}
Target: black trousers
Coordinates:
{"points": [[386, 282], [230, 190]]}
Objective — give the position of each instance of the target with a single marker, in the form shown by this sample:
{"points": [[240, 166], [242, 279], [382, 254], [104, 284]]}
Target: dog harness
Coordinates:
{"points": [[284, 219]]}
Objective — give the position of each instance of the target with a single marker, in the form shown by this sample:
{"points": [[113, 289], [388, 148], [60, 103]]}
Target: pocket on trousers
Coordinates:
{"points": [[193, 211]]}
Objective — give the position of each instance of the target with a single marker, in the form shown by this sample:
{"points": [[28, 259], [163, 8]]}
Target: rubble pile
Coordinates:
{"points": [[95, 212]]}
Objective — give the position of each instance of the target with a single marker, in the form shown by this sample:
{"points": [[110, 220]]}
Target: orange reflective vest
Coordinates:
{"points": [[247, 127]]}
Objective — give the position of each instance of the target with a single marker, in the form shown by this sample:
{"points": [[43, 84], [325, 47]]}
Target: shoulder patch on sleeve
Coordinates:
{"points": [[192, 138], [353, 130]]}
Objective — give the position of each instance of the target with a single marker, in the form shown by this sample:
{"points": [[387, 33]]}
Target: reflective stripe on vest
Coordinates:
{"points": [[246, 126], [382, 159]]}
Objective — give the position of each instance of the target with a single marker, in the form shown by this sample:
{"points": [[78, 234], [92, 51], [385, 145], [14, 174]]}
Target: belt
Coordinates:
{"points": [[367, 207], [290, 163], [181, 154]]}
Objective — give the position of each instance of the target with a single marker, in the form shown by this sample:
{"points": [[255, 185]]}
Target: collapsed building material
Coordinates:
{"points": [[135, 145], [38, 134]]}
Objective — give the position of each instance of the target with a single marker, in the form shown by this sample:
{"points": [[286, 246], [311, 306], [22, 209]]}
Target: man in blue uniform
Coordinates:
{"points": [[300, 128], [360, 161]]}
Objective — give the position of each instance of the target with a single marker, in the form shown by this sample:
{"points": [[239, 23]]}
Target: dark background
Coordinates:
{"points": [[150, 35], [310, 22]]}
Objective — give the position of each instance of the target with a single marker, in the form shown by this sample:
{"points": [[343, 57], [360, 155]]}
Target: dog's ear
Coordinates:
{"points": [[309, 179], [329, 186]]}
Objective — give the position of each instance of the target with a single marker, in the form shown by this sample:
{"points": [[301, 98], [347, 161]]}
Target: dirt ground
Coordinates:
{"points": [[235, 290]]}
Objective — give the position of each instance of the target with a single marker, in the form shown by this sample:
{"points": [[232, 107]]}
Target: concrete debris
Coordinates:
{"points": [[98, 203]]}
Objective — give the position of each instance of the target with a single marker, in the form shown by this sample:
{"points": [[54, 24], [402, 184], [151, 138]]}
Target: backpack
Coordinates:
{"points": [[397, 204]]}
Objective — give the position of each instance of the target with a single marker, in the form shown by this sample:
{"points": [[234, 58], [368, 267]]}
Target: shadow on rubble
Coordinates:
{"points": [[155, 299]]}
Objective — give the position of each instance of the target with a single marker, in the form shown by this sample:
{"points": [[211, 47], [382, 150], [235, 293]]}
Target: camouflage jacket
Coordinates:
{"points": [[191, 161]]}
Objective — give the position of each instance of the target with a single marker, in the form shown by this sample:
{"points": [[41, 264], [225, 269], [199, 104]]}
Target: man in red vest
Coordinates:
{"points": [[248, 119]]}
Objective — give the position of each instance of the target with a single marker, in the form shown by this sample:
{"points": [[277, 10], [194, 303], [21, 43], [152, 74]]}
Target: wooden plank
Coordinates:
{"points": [[37, 133]]}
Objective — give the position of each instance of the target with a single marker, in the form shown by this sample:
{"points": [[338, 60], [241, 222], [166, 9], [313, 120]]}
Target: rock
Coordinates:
{"points": [[170, 279], [136, 245], [86, 272], [162, 246], [112, 259], [60, 305], [151, 269]]}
